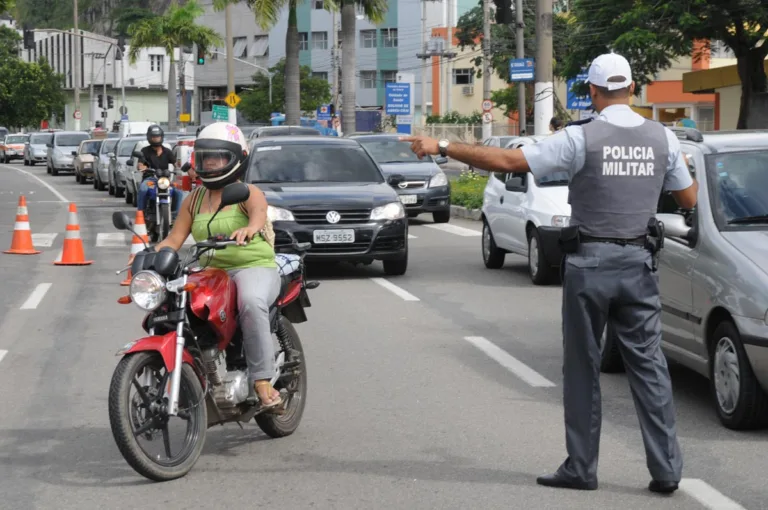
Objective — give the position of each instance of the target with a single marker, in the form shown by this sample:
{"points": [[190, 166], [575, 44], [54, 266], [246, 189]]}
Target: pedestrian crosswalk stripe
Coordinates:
{"points": [[111, 239], [43, 240]]}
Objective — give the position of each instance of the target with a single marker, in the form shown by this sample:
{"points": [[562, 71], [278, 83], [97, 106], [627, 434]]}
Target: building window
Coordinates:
{"points": [[367, 79], [320, 74], [389, 76], [156, 63], [260, 46], [718, 49], [389, 37], [319, 40], [367, 38], [318, 4], [463, 76], [303, 41], [240, 47]]}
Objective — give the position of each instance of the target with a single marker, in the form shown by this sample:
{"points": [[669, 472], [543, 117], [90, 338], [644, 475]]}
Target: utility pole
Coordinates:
{"points": [[334, 63], [544, 92], [106, 108], [520, 43], [448, 66], [76, 67], [230, 59], [424, 64], [91, 109], [487, 126]]}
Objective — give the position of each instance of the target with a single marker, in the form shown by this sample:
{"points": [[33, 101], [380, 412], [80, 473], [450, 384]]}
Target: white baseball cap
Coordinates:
{"points": [[610, 66]]}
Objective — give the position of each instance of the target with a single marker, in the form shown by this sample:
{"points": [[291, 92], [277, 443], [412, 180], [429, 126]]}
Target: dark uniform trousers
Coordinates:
{"points": [[605, 281]]}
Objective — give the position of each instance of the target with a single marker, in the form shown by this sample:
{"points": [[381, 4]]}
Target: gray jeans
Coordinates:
{"points": [[257, 290]]}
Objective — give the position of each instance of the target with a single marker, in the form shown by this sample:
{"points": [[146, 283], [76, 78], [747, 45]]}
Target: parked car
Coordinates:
{"points": [[263, 131], [60, 148], [423, 186], [85, 160], [328, 191], [133, 175], [117, 169], [514, 207], [713, 273], [36, 148], [101, 172], [13, 147], [503, 142]]}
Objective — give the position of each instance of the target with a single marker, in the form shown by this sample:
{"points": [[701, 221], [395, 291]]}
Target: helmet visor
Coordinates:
{"points": [[213, 163]]}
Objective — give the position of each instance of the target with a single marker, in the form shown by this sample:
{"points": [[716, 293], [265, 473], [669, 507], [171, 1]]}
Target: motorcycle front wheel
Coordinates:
{"points": [[164, 221], [140, 415]]}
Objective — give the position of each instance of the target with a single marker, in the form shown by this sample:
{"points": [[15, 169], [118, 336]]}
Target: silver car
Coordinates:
{"points": [[118, 172], [101, 174], [36, 148], [60, 149], [713, 273]]}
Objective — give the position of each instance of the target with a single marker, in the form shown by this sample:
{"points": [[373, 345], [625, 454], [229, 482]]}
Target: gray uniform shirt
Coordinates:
{"points": [[565, 151]]}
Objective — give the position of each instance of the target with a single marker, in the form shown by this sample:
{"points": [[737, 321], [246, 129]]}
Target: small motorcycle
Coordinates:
{"points": [[191, 369], [158, 211]]}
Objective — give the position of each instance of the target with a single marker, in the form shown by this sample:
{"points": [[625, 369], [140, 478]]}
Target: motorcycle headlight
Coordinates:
{"points": [[147, 290], [438, 180], [87, 165], [279, 214], [163, 183], [561, 221], [391, 211]]}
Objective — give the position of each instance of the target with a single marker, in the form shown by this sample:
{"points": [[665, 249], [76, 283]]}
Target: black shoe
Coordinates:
{"points": [[560, 482], [662, 487]]}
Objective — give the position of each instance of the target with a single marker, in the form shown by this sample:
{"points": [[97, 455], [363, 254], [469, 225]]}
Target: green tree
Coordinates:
{"points": [[255, 105], [653, 34], [175, 29], [124, 17]]}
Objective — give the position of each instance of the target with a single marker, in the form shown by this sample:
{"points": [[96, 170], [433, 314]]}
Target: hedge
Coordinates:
{"points": [[467, 190]]}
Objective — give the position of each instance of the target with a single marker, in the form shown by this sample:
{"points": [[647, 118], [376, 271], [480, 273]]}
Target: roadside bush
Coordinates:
{"points": [[467, 190]]}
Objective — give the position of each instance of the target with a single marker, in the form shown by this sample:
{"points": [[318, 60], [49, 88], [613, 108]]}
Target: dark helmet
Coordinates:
{"points": [[154, 131], [221, 155]]}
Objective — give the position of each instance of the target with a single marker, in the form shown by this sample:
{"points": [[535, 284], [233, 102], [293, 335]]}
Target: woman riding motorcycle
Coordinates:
{"points": [[221, 153]]}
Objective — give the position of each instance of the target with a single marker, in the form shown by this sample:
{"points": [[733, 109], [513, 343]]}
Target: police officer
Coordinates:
{"points": [[618, 164]]}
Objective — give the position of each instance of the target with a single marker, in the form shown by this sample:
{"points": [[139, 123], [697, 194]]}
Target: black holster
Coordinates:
{"points": [[654, 241]]}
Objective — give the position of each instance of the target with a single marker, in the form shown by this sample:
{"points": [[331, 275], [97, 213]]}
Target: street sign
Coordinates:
{"points": [[398, 99], [185, 117], [487, 105], [78, 114], [487, 117], [220, 112], [232, 100], [124, 117], [123, 110], [324, 112], [574, 102], [521, 69]]}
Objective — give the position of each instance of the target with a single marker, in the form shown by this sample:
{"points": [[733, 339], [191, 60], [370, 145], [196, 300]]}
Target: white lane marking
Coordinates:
{"points": [[2, 354], [53, 190], [511, 363], [456, 230], [394, 289], [411, 236], [113, 239], [37, 295], [43, 240], [61, 254], [707, 495]]}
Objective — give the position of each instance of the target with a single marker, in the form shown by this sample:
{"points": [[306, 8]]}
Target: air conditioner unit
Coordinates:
{"points": [[468, 90]]}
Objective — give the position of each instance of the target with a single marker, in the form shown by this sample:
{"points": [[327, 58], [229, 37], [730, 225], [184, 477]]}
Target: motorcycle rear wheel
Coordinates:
{"points": [[281, 425], [123, 416]]}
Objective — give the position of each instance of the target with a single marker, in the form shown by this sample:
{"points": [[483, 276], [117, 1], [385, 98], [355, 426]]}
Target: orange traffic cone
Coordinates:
{"points": [[73, 253], [22, 235], [137, 243]]}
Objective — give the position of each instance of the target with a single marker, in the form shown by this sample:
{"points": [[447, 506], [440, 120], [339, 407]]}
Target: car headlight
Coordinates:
{"points": [[279, 214], [147, 290], [391, 211], [163, 183], [561, 221], [438, 180]]}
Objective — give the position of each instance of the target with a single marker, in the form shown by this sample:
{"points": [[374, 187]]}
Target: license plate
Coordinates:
{"points": [[409, 199], [333, 236]]}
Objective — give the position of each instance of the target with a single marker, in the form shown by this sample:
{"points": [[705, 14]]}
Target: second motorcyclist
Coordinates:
{"points": [[156, 156]]}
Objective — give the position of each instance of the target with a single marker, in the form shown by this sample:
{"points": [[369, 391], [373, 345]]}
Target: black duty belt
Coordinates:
{"points": [[635, 241]]}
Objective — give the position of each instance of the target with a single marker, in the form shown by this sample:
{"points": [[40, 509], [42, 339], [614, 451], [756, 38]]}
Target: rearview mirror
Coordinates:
{"points": [[110, 154], [121, 220], [440, 160], [395, 179], [129, 162], [137, 154], [674, 225], [74, 153], [234, 193], [515, 183]]}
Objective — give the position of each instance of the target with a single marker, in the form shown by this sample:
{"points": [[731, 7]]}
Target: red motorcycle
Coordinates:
{"points": [[191, 370]]}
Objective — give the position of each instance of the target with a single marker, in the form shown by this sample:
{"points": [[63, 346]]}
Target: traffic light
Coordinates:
{"points": [[504, 12], [110, 102], [200, 55], [29, 39], [101, 101]]}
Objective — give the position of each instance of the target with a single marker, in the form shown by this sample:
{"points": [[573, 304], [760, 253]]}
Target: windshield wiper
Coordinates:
{"points": [[763, 218], [554, 183]]}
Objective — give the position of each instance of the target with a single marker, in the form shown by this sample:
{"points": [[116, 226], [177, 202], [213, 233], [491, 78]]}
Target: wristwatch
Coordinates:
{"points": [[442, 146]]}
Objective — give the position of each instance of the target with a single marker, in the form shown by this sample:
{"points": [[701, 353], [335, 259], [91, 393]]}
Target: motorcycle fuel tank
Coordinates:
{"points": [[215, 301]]}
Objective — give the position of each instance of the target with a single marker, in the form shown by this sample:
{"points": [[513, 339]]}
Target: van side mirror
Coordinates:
{"points": [[674, 225], [515, 183], [440, 160]]}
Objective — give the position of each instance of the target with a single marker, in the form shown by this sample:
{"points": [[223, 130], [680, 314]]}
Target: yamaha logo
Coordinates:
{"points": [[402, 185], [333, 217], [222, 316]]}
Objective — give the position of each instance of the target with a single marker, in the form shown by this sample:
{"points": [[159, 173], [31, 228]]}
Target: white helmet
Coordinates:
{"points": [[224, 147]]}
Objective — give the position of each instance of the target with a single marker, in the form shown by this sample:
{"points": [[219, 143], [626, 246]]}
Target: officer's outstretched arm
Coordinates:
{"points": [[686, 198], [492, 159]]}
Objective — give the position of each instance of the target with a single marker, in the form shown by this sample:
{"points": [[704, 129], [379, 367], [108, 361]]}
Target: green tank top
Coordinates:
{"points": [[257, 253]]}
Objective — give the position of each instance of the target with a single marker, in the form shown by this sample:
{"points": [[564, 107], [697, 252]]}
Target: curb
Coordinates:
{"points": [[458, 211]]}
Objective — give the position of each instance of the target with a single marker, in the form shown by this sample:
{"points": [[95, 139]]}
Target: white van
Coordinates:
{"points": [[134, 128]]}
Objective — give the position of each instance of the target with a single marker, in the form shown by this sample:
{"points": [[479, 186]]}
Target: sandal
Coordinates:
{"points": [[275, 399]]}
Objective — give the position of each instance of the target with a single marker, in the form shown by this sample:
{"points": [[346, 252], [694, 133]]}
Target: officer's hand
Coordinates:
{"points": [[422, 145]]}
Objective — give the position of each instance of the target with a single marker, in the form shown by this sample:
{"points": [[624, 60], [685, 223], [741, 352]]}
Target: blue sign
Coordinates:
{"points": [[573, 101], [521, 69], [124, 118], [398, 99], [324, 112]]}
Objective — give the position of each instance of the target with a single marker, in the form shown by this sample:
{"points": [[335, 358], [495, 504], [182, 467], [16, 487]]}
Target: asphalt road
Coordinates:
{"points": [[438, 389]]}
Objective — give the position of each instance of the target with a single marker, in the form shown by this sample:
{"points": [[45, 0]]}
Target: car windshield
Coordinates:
{"points": [[312, 163], [126, 149], [16, 139], [72, 140], [391, 151], [739, 182], [108, 145], [91, 147], [40, 139], [554, 179]]}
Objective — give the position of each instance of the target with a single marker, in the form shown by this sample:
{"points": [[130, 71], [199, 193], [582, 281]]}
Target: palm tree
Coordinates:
{"points": [[175, 29]]}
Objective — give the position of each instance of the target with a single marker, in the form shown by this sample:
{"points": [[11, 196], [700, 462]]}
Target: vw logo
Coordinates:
{"points": [[402, 185], [333, 217]]}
